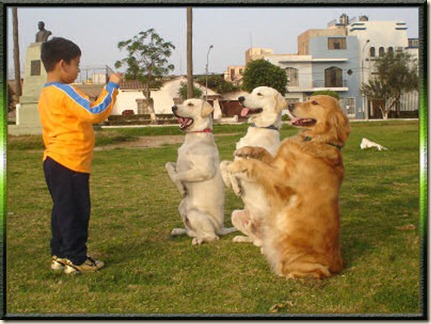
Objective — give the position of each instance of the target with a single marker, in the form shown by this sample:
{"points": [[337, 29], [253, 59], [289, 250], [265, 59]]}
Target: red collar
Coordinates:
{"points": [[206, 130]]}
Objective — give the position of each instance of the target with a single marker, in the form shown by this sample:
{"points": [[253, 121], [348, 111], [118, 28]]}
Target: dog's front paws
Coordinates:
{"points": [[251, 152], [171, 169], [238, 166], [225, 173], [236, 185]]}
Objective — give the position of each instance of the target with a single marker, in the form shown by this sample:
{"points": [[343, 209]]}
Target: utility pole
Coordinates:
{"points": [[16, 54], [189, 53]]}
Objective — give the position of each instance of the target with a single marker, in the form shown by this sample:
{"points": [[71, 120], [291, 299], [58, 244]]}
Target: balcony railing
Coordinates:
{"points": [[321, 84]]}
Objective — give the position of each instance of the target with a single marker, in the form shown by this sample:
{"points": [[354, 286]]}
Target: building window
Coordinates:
{"points": [[336, 43], [391, 50], [381, 51], [350, 106], [292, 77], [333, 77], [372, 52]]}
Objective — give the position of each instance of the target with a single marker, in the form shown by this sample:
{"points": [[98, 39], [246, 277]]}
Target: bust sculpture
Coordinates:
{"points": [[43, 34]]}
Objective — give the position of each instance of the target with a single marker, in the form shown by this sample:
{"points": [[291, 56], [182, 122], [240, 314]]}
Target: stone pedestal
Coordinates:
{"points": [[35, 76]]}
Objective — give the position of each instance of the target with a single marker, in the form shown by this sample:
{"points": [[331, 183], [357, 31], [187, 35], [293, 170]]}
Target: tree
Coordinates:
{"points": [[147, 62], [263, 73], [326, 93], [396, 74], [377, 92], [183, 91], [217, 83]]}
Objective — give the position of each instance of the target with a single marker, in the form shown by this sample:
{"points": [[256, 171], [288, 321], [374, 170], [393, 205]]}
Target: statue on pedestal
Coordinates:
{"points": [[43, 34]]}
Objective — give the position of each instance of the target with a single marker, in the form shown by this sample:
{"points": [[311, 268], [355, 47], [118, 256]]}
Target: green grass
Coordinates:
{"points": [[148, 272]]}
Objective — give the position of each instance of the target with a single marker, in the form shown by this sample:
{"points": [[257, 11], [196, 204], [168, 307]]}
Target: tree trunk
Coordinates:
{"points": [[18, 91], [150, 102], [398, 106], [189, 53]]}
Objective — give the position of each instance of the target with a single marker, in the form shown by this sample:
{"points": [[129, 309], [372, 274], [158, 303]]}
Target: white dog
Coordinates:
{"points": [[263, 105], [197, 175], [366, 143]]}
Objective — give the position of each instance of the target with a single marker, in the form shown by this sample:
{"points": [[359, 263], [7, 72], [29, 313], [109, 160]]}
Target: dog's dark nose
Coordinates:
{"points": [[291, 106], [174, 108], [241, 99]]}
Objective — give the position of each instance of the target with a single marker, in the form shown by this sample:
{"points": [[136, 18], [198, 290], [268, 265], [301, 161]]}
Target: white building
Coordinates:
{"points": [[377, 38], [129, 96]]}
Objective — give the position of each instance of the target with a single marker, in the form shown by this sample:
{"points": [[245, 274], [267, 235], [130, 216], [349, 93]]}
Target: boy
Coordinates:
{"points": [[67, 117]]}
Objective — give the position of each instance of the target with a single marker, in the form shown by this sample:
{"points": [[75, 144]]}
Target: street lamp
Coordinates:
{"points": [[363, 79], [206, 73]]}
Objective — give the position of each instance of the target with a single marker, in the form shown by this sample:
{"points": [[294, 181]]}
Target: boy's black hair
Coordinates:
{"points": [[57, 49]]}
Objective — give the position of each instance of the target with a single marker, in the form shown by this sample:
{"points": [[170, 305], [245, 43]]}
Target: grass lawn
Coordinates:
{"points": [[148, 272]]}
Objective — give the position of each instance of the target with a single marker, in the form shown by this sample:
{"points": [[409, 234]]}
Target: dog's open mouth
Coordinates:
{"points": [[248, 111], [302, 122], [184, 122]]}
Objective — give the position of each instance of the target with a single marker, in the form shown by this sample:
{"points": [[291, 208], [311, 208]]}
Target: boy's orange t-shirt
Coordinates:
{"points": [[67, 118]]}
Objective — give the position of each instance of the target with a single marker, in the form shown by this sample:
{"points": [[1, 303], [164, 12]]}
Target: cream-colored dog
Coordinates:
{"points": [[366, 143], [263, 105], [197, 175]]}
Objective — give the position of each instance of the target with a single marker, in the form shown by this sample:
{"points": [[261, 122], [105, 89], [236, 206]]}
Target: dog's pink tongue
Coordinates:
{"points": [[294, 121], [244, 112]]}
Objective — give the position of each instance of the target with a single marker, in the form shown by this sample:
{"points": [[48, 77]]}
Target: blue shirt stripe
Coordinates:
{"points": [[83, 102]]}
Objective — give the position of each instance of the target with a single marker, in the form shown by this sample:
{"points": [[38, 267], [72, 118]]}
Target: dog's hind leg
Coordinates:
{"points": [[203, 228], [305, 270], [182, 209], [178, 231], [241, 220]]}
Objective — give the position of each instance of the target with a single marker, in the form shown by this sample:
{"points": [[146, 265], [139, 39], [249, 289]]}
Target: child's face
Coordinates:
{"points": [[70, 71]]}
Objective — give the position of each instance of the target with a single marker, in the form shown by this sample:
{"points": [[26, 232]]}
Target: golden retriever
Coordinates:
{"points": [[302, 183]]}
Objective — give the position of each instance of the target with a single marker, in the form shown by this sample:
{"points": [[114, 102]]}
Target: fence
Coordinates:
{"points": [[94, 75]]}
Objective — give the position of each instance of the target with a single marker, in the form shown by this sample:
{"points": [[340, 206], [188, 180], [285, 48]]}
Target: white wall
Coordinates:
{"points": [[163, 98], [126, 100]]}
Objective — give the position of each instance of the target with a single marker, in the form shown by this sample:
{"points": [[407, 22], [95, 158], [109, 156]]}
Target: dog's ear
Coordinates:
{"points": [[281, 102], [340, 123], [207, 109]]}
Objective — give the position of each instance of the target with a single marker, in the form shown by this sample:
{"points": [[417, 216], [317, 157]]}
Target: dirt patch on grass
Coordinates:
{"points": [[152, 141]]}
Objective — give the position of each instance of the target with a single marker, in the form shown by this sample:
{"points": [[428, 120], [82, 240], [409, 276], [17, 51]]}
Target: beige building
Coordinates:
{"points": [[304, 38], [234, 74], [257, 53]]}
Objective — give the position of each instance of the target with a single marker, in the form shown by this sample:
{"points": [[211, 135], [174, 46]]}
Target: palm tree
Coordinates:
{"points": [[16, 54]]}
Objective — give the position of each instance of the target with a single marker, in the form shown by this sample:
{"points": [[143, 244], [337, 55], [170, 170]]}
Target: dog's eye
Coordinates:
{"points": [[190, 104], [259, 94], [314, 102]]}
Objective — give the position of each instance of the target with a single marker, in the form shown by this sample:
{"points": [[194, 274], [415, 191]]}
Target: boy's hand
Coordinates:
{"points": [[116, 78]]}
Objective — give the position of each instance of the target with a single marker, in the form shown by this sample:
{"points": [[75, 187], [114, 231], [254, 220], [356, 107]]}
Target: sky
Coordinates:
{"points": [[231, 30]]}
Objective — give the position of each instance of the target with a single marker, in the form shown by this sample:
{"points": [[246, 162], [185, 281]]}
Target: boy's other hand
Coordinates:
{"points": [[116, 78]]}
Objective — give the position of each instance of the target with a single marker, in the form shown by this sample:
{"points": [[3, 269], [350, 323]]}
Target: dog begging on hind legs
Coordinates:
{"points": [[263, 106], [196, 175]]}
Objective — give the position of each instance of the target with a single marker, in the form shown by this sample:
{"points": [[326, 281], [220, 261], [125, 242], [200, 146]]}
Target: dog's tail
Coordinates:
{"points": [[226, 230]]}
